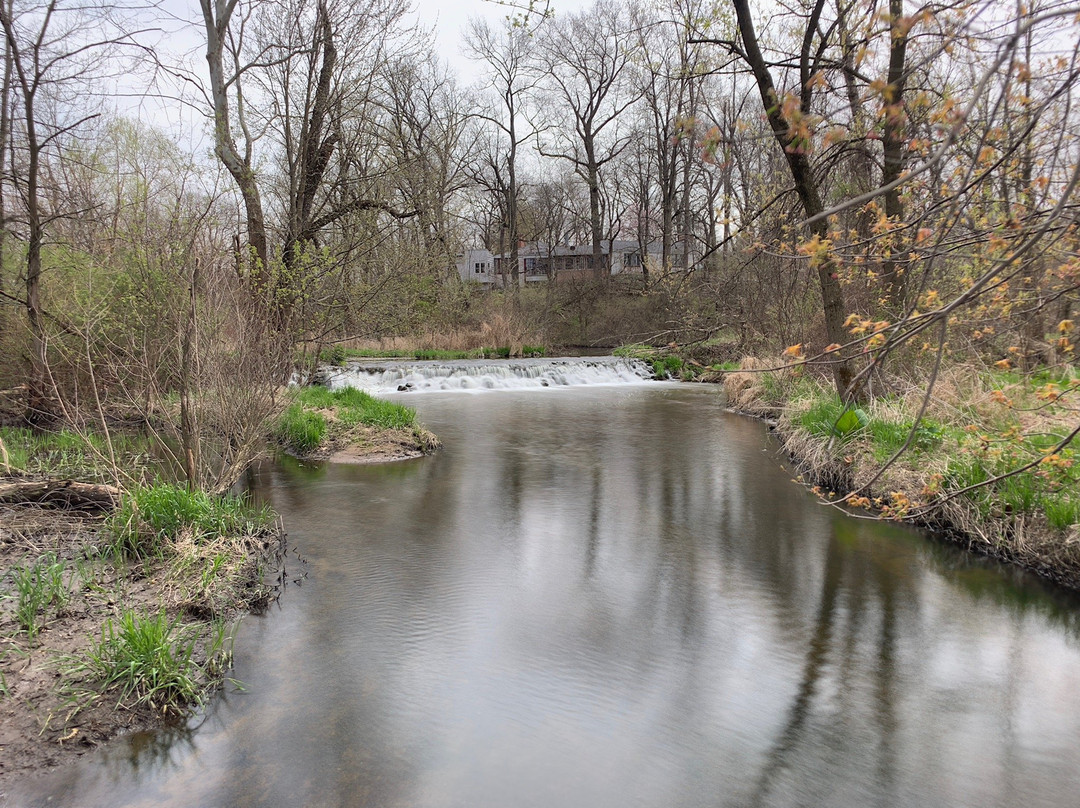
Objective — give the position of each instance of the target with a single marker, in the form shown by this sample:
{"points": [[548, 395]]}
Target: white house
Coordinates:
{"points": [[477, 266]]}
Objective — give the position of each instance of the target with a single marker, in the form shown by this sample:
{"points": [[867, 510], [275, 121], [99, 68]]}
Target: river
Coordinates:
{"points": [[614, 596]]}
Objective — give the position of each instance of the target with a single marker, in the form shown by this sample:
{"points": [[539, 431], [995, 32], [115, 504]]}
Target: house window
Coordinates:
{"points": [[479, 267], [530, 264], [633, 260]]}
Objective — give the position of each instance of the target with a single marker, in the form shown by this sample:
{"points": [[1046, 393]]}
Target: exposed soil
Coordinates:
{"points": [[366, 444], [48, 716]]}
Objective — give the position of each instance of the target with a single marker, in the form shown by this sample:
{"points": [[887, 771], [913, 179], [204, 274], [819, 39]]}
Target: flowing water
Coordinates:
{"points": [[480, 374], [614, 596]]}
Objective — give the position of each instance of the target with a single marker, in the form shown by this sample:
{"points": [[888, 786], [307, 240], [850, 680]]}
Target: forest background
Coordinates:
{"points": [[874, 198]]}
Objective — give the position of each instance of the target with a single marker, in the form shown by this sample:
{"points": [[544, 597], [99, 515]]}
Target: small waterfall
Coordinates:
{"points": [[395, 376]]}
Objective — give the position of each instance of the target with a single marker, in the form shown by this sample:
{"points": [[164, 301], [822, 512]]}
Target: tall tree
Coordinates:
{"points": [[585, 59], [506, 52], [789, 120], [53, 51]]}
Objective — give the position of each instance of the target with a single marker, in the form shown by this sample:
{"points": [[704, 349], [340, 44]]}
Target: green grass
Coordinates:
{"points": [[149, 516], [828, 418], [37, 587], [150, 659], [887, 437], [1028, 491], [354, 406], [1061, 512], [338, 355], [449, 356], [299, 429], [305, 426], [637, 350], [69, 454], [667, 367]]}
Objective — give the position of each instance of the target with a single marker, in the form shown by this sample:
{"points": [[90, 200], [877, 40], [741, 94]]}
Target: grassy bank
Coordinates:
{"points": [[116, 616], [350, 424], [984, 463]]}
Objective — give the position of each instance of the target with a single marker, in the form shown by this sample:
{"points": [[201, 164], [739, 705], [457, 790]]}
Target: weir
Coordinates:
{"points": [[399, 376]]}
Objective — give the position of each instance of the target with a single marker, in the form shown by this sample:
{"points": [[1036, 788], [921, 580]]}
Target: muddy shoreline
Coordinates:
{"points": [[51, 713]]}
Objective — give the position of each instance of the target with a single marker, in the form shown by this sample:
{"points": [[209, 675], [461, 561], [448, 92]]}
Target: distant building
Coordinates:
{"points": [[477, 266], [539, 262]]}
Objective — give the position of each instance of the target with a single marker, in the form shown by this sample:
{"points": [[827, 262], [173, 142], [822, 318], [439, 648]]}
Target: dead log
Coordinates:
{"points": [[69, 494]]}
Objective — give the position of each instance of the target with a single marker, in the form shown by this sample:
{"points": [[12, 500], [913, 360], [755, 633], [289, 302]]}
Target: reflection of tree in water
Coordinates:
{"points": [[777, 758], [850, 586]]}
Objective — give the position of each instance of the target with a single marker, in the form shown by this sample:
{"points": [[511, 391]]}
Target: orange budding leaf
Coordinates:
{"points": [[1003, 364], [1065, 326], [836, 346], [794, 350]]}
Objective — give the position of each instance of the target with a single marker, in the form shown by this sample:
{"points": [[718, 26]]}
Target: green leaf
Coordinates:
{"points": [[850, 421]]}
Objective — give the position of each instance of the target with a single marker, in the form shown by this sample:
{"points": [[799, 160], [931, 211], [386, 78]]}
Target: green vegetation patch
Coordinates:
{"points": [[38, 587], [338, 355], [69, 454], [352, 406], [152, 659], [149, 516], [1049, 488], [300, 430], [320, 418]]}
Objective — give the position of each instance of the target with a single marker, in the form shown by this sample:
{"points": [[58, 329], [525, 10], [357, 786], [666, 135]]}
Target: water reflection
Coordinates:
{"points": [[616, 597]]}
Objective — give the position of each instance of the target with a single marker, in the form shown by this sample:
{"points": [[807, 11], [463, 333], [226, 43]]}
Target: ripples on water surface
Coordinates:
{"points": [[615, 598]]}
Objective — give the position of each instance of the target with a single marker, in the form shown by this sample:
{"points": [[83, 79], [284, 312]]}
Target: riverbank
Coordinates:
{"points": [[350, 426], [119, 619], [117, 607], [983, 460]]}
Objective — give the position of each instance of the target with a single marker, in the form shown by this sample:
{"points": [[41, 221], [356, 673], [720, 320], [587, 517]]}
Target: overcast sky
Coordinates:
{"points": [[182, 34], [449, 19]]}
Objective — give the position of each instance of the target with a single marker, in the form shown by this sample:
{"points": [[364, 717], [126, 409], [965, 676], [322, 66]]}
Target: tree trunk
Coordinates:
{"points": [[893, 276], [832, 295], [216, 18]]}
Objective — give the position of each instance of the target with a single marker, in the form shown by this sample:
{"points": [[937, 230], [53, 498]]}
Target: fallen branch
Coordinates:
{"points": [[61, 493]]}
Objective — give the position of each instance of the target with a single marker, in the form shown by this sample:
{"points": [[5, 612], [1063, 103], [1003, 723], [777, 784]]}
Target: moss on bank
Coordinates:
{"points": [[984, 465], [329, 424]]}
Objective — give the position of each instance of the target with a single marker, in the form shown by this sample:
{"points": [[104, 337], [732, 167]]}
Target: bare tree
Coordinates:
{"points": [[585, 59], [53, 52], [506, 53]]}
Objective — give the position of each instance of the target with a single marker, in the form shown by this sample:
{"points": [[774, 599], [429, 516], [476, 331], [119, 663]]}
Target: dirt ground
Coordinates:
{"points": [[49, 716]]}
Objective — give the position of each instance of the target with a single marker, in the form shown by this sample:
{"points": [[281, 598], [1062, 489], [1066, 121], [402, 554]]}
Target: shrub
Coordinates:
{"points": [[333, 355]]}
